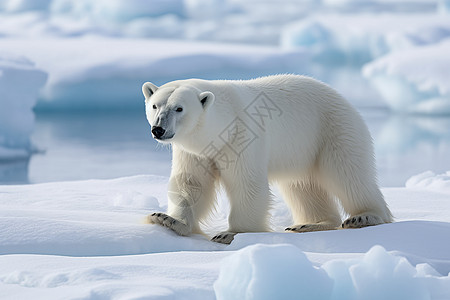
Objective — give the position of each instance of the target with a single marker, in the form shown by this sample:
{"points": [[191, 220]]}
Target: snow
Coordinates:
{"points": [[86, 239], [20, 82], [263, 272]]}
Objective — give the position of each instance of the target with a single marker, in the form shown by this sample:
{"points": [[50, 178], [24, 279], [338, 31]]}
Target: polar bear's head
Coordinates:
{"points": [[174, 111]]}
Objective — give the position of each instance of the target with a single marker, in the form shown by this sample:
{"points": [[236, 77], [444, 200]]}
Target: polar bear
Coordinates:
{"points": [[289, 130]]}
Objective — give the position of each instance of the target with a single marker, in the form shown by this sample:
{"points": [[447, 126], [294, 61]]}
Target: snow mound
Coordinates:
{"points": [[414, 81], [285, 272], [271, 272], [430, 180], [20, 82]]}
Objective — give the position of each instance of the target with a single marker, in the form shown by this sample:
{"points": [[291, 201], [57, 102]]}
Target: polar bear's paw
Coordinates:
{"points": [[362, 220], [169, 222], [225, 237], [311, 227]]}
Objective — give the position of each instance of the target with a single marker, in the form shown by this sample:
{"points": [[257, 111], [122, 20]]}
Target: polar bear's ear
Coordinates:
{"points": [[148, 89], [206, 99]]}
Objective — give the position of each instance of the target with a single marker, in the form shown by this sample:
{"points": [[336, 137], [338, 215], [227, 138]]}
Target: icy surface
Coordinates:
{"points": [[20, 82], [85, 239]]}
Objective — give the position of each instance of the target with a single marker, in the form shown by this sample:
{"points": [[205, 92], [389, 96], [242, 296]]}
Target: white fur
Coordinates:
{"points": [[311, 142]]}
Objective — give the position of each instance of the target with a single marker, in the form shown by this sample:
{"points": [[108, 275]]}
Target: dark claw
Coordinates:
{"points": [[342, 225], [359, 219], [303, 226], [367, 219], [288, 229], [165, 218], [153, 214], [158, 215], [347, 222]]}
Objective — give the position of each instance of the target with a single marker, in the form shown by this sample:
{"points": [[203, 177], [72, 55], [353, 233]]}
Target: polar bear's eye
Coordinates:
{"points": [[179, 109], [154, 106]]}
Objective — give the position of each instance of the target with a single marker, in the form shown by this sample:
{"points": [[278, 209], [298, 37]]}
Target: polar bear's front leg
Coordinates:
{"points": [[191, 194]]}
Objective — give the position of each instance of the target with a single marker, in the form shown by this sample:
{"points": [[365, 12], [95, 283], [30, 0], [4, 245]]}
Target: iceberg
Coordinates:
{"points": [[20, 82], [414, 81], [359, 38], [93, 72]]}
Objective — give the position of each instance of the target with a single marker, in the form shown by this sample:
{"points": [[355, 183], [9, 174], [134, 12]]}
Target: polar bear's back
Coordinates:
{"points": [[306, 115]]}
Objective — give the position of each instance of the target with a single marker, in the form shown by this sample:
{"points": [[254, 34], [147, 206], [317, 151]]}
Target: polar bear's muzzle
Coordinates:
{"points": [[159, 133]]}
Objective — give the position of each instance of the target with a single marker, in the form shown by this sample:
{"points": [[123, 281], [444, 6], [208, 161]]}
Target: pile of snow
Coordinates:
{"points": [[261, 272], [284, 272], [415, 81], [20, 82], [429, 180], [86, 239], [99, 72]]}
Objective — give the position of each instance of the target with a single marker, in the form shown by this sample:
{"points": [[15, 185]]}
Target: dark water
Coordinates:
{"points": [[109, 145]]}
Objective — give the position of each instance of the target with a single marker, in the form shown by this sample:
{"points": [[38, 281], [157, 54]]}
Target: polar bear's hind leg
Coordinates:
{"points": [[312, 208]]}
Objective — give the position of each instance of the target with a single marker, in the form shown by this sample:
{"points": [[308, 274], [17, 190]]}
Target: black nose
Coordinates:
{"points": [[158, 132]]}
